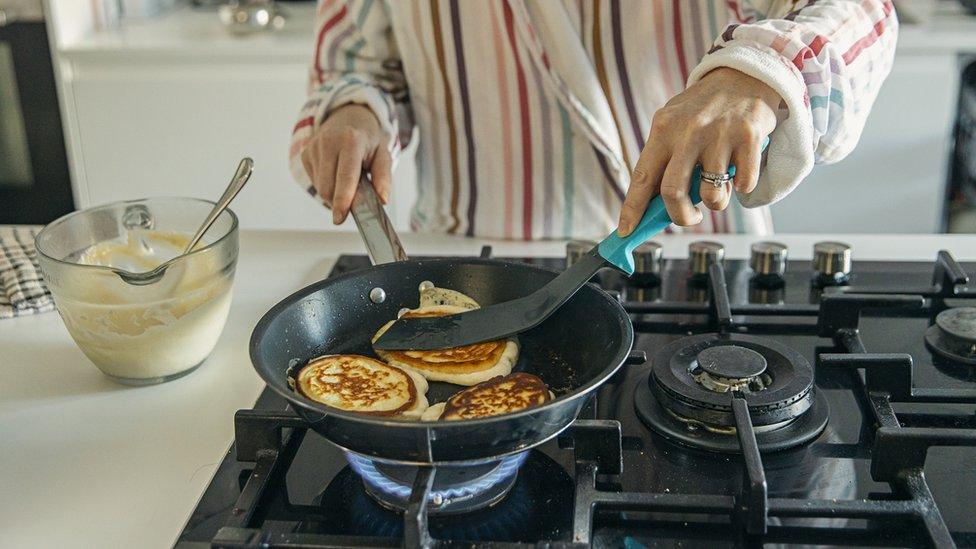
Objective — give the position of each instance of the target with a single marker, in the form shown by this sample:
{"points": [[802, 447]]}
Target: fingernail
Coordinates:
{"points": [[385, 197], [624, 228], [336, 217]]}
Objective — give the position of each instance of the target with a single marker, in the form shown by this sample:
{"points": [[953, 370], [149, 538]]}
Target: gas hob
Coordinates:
{"points": [[765, 402]]}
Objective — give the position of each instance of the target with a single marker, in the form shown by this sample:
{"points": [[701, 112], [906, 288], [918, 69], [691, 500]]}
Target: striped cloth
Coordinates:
{"points": [[531, 114], [22, 290]]}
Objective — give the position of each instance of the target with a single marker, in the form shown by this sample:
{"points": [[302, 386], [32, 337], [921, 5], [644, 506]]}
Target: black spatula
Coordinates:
{"points": [[511, 317]]}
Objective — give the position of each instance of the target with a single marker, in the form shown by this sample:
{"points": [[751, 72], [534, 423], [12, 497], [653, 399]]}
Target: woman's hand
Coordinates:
{"points": [[721, 119], [349, 141]]}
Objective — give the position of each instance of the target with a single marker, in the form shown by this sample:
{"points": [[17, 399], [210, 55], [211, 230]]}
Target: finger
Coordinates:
{"points": [[380, 169], [746, 157], [319, 161], [306, 158], [348, 170], [675, 188], [644, 185], [725, 196], [715, 159]]}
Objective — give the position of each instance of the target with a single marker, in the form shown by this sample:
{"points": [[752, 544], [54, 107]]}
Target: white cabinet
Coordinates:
{"points": [[894, 181], [169, 105], [180, 129]]}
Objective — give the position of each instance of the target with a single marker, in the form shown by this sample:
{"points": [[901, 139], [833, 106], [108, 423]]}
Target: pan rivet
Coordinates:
{"points": [[426, 285], [377, 295], [437, 499], [402, 312]]}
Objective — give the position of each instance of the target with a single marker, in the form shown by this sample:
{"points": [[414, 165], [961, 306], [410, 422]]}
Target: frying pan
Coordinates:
{"points": [[574, 351]]}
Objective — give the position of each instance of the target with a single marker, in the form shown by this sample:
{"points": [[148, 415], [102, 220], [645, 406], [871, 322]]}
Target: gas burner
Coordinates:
{"points": [[688, 396], [953, 336], [457, 488], [527, 513], [731, 368]]}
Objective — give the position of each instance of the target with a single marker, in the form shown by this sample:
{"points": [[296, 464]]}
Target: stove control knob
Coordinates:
{"points": [[576, 249], [647, 258], [768, 261], [647, 265], [702, 254], [831, 262]]}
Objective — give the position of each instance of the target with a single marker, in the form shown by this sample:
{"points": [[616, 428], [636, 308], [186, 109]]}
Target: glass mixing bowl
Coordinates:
{"points": [[140, 331]]}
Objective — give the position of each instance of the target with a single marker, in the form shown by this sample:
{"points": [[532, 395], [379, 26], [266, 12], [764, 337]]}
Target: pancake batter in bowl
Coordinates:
{"points": [[146, 334]]}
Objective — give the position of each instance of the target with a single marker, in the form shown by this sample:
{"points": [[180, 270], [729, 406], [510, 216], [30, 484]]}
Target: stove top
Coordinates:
{"points": [[846, 416]]}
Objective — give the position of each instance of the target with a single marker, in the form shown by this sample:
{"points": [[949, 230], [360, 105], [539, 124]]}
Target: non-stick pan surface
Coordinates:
{"points": [[574, 351]]}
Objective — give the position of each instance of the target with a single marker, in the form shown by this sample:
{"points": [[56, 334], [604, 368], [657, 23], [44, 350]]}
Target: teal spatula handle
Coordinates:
{"points": [[619, 250]]}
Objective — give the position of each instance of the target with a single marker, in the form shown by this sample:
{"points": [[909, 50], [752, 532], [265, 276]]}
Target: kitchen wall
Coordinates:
{"points": [[167, 105]]}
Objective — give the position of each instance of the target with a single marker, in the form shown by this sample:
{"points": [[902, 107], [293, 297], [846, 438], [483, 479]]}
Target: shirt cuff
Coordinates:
{"points": [[789, 157]]}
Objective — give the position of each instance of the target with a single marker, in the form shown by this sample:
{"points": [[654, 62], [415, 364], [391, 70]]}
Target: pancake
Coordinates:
{"points": [[433, 296], [501, 395], [468, 365], [362, 384]]}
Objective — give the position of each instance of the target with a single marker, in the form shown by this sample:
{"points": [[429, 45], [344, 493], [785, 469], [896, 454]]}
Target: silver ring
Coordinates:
{"points": [[713, 176], [718, 183]]}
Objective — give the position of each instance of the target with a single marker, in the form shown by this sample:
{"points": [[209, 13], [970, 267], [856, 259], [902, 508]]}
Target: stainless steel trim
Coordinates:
{"points": [[21, 11], [382, 243]]}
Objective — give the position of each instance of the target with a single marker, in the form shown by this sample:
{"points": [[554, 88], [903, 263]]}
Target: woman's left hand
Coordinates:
{"points": [[720, 120]]}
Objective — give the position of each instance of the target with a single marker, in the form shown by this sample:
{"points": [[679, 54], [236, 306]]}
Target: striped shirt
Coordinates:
{"points": [[532, 114]]}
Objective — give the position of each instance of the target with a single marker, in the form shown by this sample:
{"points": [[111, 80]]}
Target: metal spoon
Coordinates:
{"points": [[237, 182]]}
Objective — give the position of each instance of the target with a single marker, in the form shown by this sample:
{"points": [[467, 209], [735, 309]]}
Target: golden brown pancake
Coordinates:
{"points": [[468, 365], [501, 395], [362, 384]]}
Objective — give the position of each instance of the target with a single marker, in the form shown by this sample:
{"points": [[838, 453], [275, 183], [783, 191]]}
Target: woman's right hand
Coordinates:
{"points": [[349, 141]]}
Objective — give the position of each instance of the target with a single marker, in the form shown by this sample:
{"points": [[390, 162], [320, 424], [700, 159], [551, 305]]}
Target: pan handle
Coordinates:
{"points": [[376, 229]]}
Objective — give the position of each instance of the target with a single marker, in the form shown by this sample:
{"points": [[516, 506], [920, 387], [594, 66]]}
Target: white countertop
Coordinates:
{"points": [[196, 33], [89, 463]]}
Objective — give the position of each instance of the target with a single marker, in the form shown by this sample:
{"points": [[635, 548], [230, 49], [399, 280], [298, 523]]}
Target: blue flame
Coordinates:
{"points": [[366, 469]]}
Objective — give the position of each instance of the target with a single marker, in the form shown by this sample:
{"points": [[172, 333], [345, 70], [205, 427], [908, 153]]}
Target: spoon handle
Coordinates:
{"points": [[237, 182]]}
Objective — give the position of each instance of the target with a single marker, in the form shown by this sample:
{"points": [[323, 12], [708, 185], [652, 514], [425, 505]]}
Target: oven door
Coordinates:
{"points": [[35, 186]]}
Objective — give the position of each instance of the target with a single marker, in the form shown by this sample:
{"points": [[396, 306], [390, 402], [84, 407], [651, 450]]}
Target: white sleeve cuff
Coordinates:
{"points": [[789, 157]]}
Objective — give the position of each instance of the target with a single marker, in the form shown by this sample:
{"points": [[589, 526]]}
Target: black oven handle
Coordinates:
{"points": [[48, 196]]}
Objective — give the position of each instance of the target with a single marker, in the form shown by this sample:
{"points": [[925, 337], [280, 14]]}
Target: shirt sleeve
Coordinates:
{"points": [[827, 59], [355, 61]]}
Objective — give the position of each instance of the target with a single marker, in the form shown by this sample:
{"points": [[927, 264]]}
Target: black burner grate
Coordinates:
{"points": [[898, 442]]}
